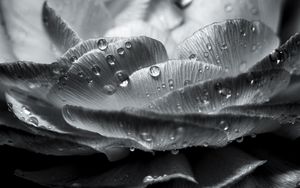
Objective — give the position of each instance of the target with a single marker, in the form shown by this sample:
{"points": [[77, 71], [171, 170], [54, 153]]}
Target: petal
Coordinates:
{"points": [[205, 12], [24, 27], [76, 12], [290, 132], [140, 28], [59, 31], [127, 10], [164, 15], [287, 56], [212, 96], [131, 173], [218, 168], [166, 132], [236, 45], [31, 77], [5, 46], [95, 75]]}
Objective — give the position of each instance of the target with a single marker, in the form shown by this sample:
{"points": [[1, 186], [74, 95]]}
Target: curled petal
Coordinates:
{"points": [[59, 31], [96, 75], [212, 96], [235, 45]]}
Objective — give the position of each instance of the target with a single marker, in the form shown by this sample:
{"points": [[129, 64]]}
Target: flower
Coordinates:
{"points": [[114, 94]]}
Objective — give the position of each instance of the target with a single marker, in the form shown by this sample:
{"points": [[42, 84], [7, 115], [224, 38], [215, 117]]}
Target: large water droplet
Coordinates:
{"points": [[102, 44], [154, 71], [96, 70], [33, 121], [111, 60], [109, 89]]}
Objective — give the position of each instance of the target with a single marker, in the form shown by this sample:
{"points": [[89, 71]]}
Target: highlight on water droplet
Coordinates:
{"points": [[121, 51], [154, 71]]}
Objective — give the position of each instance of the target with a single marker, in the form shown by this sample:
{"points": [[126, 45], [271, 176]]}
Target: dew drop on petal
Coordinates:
{"points": [[171, 84], [109, 89], [80, 74], [132, 149], [26, 110], [154, 71], [224, 125], [128, 45], [111, 60], [174, 152], [33, 120], [121, 51], [206, 54], [121, 76], [240, 140], [208, 46], [205, 144], [73, 59], [146, 137], [102, 44], [253, 28], [96, 70], [193, 57], [224, 46], [124, 83]]}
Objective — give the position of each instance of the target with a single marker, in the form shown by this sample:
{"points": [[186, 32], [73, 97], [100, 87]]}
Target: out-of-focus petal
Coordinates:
{"points": [[97, 75], [185, 30], [140, 28], [152, 82], [205, 12], [5, 46], [167, 132], [236, 45], [23, 20], [214, 95], [290, 132], [127, 10], [60, 32], [164, 15], [89, 18], [132, 173], [31, 77]]}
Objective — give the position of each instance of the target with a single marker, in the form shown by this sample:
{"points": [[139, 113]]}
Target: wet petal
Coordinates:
{"points": [[60, 32], [96, 75], [152, 82], [24, 27], [287, 56], [31, 77], [147, 131], [5, 47], [76, 12], [166, 132], [212, 96], [236, 45], [140, 28], [129, 174], [205, 12]]}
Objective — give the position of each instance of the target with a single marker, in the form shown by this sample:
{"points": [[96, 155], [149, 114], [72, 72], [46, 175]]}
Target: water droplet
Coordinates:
{"points": [[205, 144], [154, 71], [121, 76], [146, 137], [73, 58], [163, 86], [121, 51], [228, 7], [174, 152], [26, 110], [224, 124], [193, 57], [224, 46], [33, 121], [102, 44], [206, 54], [80, 74], [253, 28], [171, 84], [132, 149], [223, 90], [109, 89], [277, 56], [240, 140], [96, 70], [148, 179], [208, 46], [90, 82], [111, 60], [128, 45], [124, 83], [243, 33]]}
